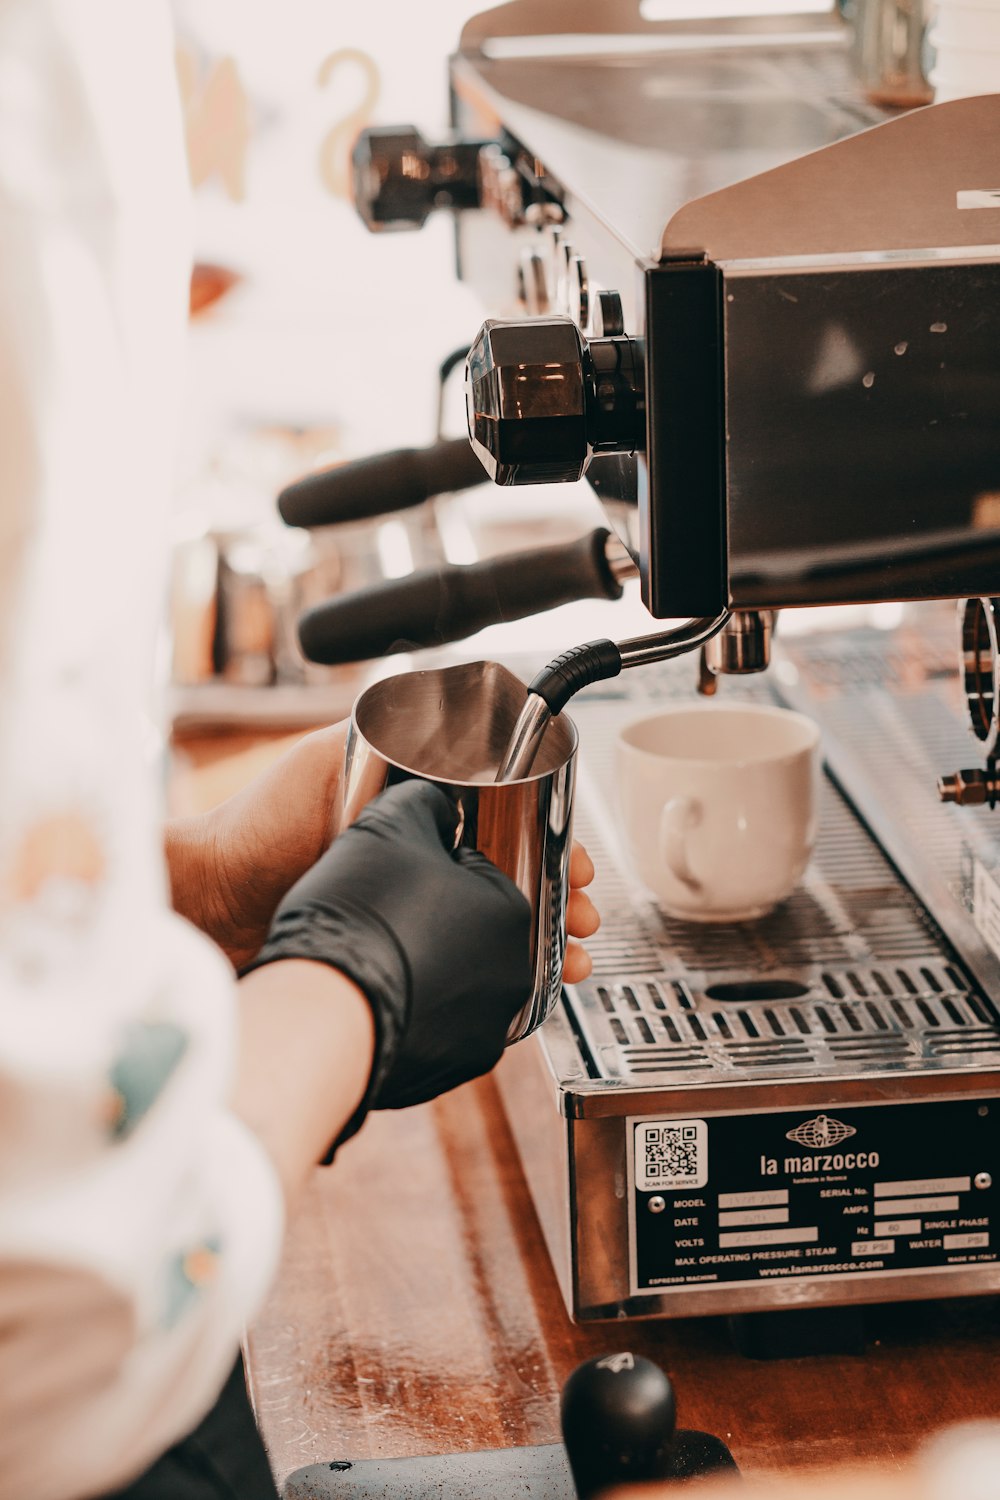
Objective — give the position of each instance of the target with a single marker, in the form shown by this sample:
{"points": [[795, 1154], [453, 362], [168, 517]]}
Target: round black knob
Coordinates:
{"points": [[542, 401], [618, 1418], [400, 178]]}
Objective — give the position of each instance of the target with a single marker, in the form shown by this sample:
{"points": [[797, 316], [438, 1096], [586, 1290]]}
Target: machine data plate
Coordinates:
{"points": [[861, 1191]]}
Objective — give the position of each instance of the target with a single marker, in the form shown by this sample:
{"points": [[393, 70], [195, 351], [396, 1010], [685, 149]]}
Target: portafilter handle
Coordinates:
{"points": [[438, 605], [385, 482]]}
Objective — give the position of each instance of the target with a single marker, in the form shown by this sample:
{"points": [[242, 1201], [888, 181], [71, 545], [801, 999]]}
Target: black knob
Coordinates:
{"points": [[400, 178], [542, 401], [618, 1417]]}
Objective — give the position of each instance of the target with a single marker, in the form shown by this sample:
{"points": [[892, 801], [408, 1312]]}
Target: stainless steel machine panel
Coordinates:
{"points": [[814, 301], [828, 1075]]}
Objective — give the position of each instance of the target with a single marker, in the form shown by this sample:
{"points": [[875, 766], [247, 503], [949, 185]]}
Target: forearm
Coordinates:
{"points": [[307, 1041]]}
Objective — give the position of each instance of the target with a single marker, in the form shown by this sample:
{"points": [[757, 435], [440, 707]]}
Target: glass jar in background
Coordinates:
{"points": [[890, 56]]}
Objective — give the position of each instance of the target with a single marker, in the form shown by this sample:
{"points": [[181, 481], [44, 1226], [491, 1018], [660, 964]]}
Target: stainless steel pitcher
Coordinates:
{"points": [[451, 726]]}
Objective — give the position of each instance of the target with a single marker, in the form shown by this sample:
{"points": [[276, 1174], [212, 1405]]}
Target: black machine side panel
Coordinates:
{"points": [[680, 484], [863, 443], [817, 437]]}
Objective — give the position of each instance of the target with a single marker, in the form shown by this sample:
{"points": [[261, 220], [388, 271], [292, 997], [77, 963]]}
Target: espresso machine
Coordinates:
{"points": [[761, 315]]}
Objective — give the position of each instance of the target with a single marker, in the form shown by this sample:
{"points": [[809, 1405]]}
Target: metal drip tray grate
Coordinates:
{"points": [[849, 975]]}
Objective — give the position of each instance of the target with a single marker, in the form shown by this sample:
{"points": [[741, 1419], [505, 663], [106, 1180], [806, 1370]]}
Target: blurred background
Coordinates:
{"points": [[314, 341], [324, 315]]}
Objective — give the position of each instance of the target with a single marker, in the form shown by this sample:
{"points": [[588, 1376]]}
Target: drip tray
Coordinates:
{"points": [[849, 974]]}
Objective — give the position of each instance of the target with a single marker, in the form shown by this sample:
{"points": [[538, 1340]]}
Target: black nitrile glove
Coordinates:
{"points": [[437, 939]]}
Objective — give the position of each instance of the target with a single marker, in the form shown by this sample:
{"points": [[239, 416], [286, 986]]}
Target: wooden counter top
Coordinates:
{"points": [[416, 1312]]}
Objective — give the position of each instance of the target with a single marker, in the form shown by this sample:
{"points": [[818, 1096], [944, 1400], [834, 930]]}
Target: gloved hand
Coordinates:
{"points": [[438, 941]]}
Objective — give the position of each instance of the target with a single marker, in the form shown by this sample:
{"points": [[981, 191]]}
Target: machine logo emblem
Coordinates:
{"points": [[820, 1133], [616, 1363]]}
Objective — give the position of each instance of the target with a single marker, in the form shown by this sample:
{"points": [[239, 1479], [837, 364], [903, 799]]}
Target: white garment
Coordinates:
{"points": [[139, 1220]]}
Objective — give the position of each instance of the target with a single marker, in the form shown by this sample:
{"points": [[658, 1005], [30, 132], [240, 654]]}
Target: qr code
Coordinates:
{"points": [[672, 1151], [671, 1154]]}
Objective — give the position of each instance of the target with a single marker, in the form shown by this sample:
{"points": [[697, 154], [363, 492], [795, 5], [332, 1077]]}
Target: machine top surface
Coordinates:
{"points": [[717, 146], [637, 135]]}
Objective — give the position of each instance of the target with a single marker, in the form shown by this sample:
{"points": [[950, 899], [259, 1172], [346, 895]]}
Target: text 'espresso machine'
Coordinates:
{"points": [[763, 317]]}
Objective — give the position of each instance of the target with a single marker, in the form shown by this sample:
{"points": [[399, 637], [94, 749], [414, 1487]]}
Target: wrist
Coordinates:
{"points": [[307, 1047], [362, 948]]}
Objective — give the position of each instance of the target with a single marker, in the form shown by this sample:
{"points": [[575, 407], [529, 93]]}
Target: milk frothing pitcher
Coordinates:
{"points": [[451, 726]]}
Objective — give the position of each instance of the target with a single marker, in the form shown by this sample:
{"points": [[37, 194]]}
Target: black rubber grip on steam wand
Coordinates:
{"points": [[445, 604], [577, 668], [386, 482]]}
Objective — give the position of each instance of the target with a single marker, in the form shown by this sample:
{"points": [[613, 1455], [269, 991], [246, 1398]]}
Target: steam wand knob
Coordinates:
{"points": [[543, 402], [618, 1423], [400, 178]]}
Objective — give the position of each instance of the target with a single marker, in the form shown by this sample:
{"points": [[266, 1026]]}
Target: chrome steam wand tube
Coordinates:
{"points": [[556, 684]]}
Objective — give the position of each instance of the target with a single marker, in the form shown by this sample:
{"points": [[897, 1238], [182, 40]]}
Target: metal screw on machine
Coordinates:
{"points": [[543, 401]]}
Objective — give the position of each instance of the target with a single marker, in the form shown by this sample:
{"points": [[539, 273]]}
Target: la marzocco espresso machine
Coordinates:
{"points": [[763, 317]]}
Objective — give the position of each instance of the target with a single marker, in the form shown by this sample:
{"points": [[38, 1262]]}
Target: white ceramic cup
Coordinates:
{"points": [[719, 806]]}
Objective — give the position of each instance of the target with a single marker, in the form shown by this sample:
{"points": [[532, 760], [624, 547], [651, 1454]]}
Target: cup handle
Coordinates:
{"points": [[679, 818]]}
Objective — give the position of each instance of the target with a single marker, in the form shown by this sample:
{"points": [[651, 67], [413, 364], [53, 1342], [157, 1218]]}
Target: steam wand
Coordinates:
{"points": [[556, 684]]}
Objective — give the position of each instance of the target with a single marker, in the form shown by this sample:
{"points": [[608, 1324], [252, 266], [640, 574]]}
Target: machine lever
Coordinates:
{"points": [[385, 482], [444, 604]]}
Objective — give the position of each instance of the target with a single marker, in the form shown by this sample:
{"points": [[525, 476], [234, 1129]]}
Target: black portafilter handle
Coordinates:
{"points": [[438, 605], [368, 487], [618, 1425]]}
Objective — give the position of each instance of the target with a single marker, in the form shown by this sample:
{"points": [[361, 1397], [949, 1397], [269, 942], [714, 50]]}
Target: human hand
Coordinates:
{"points": [[230, 867], [435, 937], [582, 916]]}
